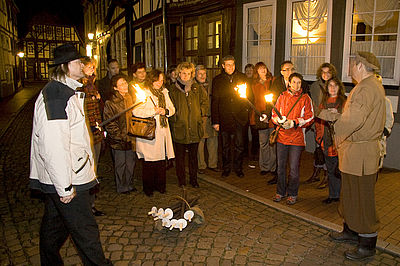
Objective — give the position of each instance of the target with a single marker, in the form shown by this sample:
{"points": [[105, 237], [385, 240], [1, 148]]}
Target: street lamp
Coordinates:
{"points": [[21, 54], [90, 36]]}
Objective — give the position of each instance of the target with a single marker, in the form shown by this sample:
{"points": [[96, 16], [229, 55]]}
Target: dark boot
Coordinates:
{"points": [[274, 179], [314, 177], [347, 235], [365, 249], [193, 182]]}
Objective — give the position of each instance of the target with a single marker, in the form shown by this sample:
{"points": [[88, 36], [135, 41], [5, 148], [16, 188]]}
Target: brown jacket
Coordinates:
{"points": [[358, 129], [117, 129]]}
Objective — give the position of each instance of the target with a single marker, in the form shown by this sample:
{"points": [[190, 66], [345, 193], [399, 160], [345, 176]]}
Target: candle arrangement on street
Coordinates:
{"points": [[178, 215]]}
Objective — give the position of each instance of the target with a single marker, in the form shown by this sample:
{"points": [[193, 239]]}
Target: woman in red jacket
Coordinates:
{"points": [[261, 86], [296, 106], [333, 99]]}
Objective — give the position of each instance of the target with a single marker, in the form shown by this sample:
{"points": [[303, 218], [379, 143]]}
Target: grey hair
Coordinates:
{"points": [[59, 72], [367, 68], [200, 67]]}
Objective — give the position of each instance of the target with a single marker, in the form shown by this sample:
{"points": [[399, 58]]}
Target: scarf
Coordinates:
{"points": [[161, 103], [184, 86]]}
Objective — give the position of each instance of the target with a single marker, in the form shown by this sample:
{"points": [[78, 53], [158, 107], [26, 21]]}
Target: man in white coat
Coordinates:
{"points": [[62, 165]]}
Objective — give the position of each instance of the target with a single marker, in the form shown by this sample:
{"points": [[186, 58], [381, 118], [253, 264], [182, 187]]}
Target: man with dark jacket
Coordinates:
{"points": [[104, 85], [229, 114]]}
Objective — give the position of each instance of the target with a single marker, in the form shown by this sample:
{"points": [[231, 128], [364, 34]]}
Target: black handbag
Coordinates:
{"points": [[144, 128], [319, 157]]}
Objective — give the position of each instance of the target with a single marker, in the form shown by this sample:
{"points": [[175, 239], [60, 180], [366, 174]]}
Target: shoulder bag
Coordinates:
{"points": [[144, 128]]}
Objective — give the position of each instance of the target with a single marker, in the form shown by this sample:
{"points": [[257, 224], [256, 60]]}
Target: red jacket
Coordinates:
{"points": [[259, 91], [302, 114]]}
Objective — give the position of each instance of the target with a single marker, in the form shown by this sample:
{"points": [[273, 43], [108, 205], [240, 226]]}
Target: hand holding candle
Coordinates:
{"points": [[241, 89], [268, 99]]}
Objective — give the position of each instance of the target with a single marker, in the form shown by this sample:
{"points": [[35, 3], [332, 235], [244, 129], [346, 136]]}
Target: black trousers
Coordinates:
{"points": [[236, 136], [180, 151], [154, 176], [76, 219]]}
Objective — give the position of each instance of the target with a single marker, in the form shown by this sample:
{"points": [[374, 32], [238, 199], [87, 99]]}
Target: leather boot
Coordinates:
{"points": [[347, 235], [324, 181], [365, 249], [314, 177]]}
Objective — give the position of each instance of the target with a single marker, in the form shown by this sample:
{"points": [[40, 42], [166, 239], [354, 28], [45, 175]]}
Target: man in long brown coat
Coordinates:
{"points": [[357, 133]]}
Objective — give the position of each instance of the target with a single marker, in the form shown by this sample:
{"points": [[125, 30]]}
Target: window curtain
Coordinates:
{"points": [[310, 14], [263, 23], [381, 5]]}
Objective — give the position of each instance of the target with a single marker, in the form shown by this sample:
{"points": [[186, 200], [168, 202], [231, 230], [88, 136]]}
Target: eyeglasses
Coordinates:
{"points": [[288, 69]]}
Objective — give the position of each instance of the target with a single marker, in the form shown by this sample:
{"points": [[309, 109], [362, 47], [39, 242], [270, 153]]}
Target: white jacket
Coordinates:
{"points": [[161, 146], [61, 155]]}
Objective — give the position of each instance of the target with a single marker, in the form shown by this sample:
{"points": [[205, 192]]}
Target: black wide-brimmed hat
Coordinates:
{"points": [[64, 54]]}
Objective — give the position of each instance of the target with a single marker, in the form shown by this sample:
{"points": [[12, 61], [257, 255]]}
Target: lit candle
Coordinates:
{"points": [[268, 98]]}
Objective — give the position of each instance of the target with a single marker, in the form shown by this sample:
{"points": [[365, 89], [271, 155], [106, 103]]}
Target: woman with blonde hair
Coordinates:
{"points": [[191, 104]]}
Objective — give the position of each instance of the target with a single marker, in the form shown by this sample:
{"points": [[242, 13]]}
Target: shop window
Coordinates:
{"points": [[309, 38], [373, 26], [258, 33]]}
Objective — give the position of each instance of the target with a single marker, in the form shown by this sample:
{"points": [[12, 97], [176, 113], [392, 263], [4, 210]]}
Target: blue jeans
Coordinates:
{"points": [[333, 180], [293, 153]]}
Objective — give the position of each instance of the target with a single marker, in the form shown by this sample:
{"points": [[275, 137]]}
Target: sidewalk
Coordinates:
{"points": [[309, 205], [10, 106], [254, 186]]}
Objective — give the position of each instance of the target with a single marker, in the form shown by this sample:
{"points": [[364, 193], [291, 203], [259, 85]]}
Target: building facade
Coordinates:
{"points": [[307, 32], [39, 44], [9, 61]]}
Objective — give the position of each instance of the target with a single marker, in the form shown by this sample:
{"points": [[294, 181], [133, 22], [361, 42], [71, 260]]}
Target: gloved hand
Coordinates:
{"points": [[288, 124]]}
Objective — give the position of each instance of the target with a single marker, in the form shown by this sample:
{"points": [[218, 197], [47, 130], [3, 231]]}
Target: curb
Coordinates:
{"points": [[381, 245]]}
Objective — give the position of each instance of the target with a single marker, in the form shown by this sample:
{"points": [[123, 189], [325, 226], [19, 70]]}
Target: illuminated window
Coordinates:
{"points": [[373, 26], [159, 46], [259, 32], [148, 38], [309, 38], [214, 34], [191, 37]]}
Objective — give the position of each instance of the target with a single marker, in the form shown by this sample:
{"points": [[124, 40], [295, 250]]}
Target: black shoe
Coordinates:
{"points": [[330, 200], [273, 180], [194, 183], [365, 249], [239, 173], [96, 212], [216, 169], [347, 235], [225, 173], [263, 172]]}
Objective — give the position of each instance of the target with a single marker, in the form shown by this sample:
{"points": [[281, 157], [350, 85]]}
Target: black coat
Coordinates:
{"points": [[227, 108], [105, 88]]}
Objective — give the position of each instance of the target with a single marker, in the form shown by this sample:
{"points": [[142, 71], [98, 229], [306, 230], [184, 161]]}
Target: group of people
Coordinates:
{"points": [[189, 113]]}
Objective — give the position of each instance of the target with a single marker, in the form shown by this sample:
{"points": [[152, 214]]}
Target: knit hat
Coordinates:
{"points": [[368, 59]]}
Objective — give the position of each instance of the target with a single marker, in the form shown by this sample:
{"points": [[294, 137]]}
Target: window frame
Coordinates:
{"points": [[347, 43], [259, 4], [288, 43]]}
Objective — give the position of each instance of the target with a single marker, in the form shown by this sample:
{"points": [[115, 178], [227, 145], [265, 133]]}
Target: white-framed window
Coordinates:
{"points": [[159, 46], [308, 35], [148, 37], [373, 26], [259, 33]]}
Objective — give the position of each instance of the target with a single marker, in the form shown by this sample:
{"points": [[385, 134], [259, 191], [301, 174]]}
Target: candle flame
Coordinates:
{"points": [[241, 89], [98, 126], [140, 94], [269, 97]]}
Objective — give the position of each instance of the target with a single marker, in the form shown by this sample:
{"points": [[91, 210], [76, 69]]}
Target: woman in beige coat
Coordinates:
{"points": [[154, 152]]}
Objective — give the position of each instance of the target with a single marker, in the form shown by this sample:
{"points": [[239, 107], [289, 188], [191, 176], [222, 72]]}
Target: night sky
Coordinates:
{"points": [[67, 12]]}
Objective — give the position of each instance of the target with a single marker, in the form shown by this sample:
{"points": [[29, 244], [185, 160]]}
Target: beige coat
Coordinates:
{"points": [[358, 129], [161, 146]]}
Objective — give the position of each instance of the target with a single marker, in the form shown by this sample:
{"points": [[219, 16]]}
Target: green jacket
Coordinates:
{"points": [[187, 123]]}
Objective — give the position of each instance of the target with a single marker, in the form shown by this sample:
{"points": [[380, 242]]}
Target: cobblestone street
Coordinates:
{"points": [[237, 230]]}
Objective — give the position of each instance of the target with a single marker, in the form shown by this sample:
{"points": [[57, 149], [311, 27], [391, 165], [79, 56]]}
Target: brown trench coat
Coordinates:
{"points": [[359, 127]]}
